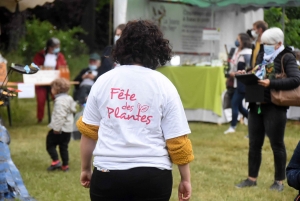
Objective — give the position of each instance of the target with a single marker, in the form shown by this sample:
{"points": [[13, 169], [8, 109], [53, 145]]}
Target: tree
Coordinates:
{"points": [[64, 15], [273, 17]]}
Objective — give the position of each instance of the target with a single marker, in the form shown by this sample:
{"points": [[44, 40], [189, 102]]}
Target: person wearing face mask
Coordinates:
{"points": [[106, 60], [240, 61], [118, 32], [86, 79], [266, 117], [257, 50], [50, 58]]}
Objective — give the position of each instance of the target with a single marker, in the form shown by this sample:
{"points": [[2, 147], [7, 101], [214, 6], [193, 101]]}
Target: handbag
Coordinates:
{"points": [[285, 97]]}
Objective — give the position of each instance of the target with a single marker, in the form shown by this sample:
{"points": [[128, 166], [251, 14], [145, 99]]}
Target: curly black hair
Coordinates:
{"points": [[142, 43]]}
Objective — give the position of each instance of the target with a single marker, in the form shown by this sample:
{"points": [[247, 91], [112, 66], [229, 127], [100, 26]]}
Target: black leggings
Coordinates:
{"points": [[62, 140], [270, 121], [136, 184]]}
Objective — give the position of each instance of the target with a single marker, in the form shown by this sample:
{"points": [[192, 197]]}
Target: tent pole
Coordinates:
{"points": [[212, 26], [110, 22], [282, 19]]}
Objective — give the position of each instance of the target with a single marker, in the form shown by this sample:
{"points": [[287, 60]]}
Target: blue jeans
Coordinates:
{"points": [[237, 106]]}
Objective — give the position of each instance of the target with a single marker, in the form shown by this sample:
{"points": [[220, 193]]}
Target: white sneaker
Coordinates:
{"points": [[229, 130]]}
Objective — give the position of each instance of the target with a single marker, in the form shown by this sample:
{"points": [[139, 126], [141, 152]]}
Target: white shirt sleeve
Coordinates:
{"points": [[174, 122], [91, 113]]}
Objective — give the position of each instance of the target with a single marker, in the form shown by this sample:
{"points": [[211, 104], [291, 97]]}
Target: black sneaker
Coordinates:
{"points": [[246, 183], [54, 167], [276, 186]]}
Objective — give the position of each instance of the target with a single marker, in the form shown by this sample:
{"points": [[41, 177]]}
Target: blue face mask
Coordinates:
{"points": [[56, 50], [237, 43], [93, 67], [269, 49]]}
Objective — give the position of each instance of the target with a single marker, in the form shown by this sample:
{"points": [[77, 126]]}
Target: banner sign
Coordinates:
{"points": [[41, 77], [183, 25]]}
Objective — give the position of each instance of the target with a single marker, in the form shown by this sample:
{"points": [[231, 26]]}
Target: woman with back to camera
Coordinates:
{"points": [[267, 117], [50, 58], [241, 60], [134, 124]]}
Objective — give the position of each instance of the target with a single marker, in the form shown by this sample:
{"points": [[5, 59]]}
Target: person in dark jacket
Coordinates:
{"points": [[86, 79], [266, 117], [240, 61], [107, 62], [293, 171]]}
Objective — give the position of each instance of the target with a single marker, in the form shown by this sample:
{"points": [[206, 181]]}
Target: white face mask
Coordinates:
{"points": [[254, 34], [116, 38]]}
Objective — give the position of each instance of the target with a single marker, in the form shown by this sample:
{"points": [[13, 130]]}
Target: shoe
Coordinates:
{"points": [[54, 166], [246, 183], [65, 168], [229, 130], [276, 186], [40, 121]]}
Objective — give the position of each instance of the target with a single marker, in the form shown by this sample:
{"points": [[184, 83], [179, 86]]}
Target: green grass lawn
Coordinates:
{"points": [[220, 162]]}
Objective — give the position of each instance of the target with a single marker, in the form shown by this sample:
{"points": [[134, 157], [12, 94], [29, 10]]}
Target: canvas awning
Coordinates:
{"points": [[11, 5], [241, 3]]}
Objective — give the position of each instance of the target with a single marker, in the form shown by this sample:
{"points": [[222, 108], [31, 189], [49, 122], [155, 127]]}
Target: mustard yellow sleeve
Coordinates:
{"points": [[180, 150], [90, 131]]}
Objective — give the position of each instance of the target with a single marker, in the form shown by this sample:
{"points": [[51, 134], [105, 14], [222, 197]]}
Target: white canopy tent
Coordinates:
{"points": [[230, 22]]}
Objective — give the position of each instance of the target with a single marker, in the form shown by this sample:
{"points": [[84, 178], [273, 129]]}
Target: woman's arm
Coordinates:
{"points": [[293, 75], [181, 153], [185, 187], [293, 169], [87, 146]]}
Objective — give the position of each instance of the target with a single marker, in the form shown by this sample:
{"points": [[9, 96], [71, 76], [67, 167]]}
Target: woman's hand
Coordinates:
{"points": [[264, 83], [185, 187], [85, 178], [87, 146], [240, 72], [184, 191]]}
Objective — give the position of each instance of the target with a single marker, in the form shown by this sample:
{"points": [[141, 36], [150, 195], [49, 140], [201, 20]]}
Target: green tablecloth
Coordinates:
{"points": [[198, 87]]}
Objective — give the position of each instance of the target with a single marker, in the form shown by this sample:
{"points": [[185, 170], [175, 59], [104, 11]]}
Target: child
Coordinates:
{"points": [[61, 124]]}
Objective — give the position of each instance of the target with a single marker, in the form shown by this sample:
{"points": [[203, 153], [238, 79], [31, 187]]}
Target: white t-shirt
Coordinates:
{"points": [[137, 109], [50, 60]]}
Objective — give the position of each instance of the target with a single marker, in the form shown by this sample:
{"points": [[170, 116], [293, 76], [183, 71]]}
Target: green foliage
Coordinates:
{"points": [[38, 32], [292, 33], [101, 3], [273, 17]]}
